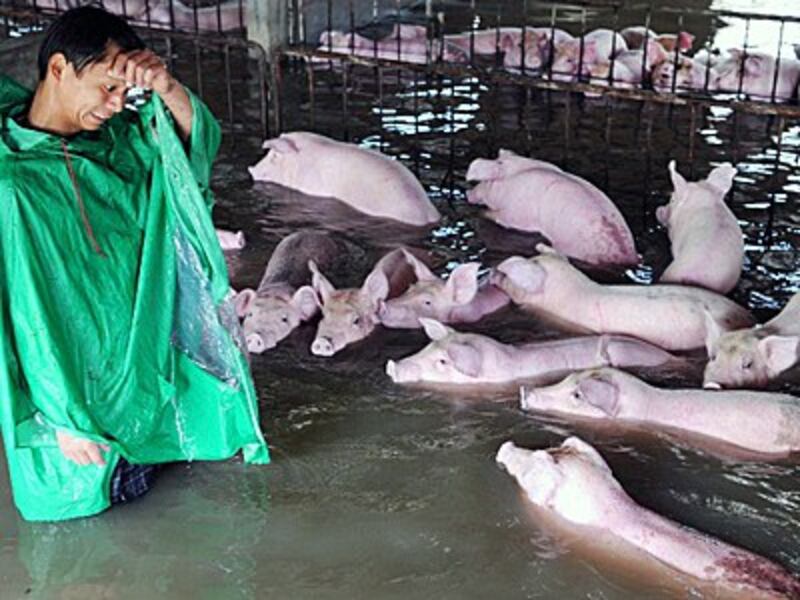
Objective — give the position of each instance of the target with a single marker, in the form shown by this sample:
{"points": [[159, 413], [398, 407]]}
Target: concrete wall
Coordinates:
{"points": [[18, 59]]}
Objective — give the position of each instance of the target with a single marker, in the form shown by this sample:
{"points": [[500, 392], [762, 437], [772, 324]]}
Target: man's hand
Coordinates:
{"points": [[80, 450], [144, 69]]}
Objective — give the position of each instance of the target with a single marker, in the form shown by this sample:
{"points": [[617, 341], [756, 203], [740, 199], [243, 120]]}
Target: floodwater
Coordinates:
{"points": [[383, 491]]}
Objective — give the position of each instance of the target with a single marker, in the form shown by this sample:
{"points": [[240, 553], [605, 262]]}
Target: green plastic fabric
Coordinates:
{"points": [[136, 346]]}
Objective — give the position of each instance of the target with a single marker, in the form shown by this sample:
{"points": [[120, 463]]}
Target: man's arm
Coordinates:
{"points": [[144, 69]]}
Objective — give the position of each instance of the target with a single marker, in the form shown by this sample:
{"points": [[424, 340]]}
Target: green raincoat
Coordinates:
{"points": [[129, 342]]}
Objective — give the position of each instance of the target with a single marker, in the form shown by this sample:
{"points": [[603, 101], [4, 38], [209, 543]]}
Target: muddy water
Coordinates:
{"points": [[382, 491]]}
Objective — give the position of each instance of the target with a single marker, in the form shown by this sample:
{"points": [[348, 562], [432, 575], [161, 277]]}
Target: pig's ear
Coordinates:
{"points": [[305, 300], [466, 358], [320, 283], [586, 450], [713, 333], [505, 153], [678, 182], [281, 145], [662, 215], [685, 41], [462, 285], [242, 301], [780, 351], [434, 329], [422, 272], [601, 393], [721, 178], [376, 286]]}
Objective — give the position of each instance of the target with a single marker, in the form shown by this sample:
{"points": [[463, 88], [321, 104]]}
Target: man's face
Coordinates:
{"points": [[89, 98]]}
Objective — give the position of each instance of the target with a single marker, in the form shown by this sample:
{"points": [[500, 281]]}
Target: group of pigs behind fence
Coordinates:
{"points": [[633, 58], [626, 325]]}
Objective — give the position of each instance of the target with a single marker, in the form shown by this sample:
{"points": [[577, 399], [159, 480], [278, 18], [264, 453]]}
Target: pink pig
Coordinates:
{"points": [[365, 179], [470, 358], [230, 240], [460, 299], [578, 219], [707, 242], [598, 46], [573, 484], [754, 357], [670, 316], [722, 416]]}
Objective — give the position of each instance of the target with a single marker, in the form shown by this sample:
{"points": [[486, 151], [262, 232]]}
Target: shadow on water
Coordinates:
{"points": [[378, 490]]}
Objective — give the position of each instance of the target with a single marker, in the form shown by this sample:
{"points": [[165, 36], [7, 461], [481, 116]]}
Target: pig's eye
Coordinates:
{"points": [[577, 395], [427, 302], [747, 363], [356, 320], [285, 319], [248, 315], [442, 362]]}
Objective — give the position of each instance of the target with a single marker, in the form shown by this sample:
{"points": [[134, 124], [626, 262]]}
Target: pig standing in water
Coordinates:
{"points": [[230, 240], [670, 316], [727, 416], [574, 483], [470, 358], [755, 356], [707, 244], [532, 195], [366, 180], [350, 315], [283, 300], [460, 299]]}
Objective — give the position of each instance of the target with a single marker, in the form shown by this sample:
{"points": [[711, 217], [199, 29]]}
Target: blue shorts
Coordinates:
{"points": [[129, 482]]}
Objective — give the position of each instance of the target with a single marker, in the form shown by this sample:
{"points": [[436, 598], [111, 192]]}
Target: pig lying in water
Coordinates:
{"points": [[707, 242], [534, 195], [351, 314], [459, 299], [753, 357], [283, 299], [670, 316], [470, 358], [574, 483], [230, 240], [726, 416], [636, 36], [365, 179], [406, 43]]}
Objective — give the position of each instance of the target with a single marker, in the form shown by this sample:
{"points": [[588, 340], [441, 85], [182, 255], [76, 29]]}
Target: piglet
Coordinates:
{"points": [[471, 358], [573, 483], [230, 240], [753, 357], [351, 314], [573, 58], [707, 242], [462, 298]]}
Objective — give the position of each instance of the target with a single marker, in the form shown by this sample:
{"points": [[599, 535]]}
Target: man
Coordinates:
{"points": [[118, 349]]}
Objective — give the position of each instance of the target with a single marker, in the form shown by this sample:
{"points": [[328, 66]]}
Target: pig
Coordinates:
{"points": [[682, 74], [351, 314], [406, 43], [577, 218], [284, 299], [630, 67], [485, 42], [754, 74], [572, 482], [459, 299], [230, 240], [672, 316], [539, 46], [470, 358], [636, 36], [725, 416], [706, 240], [573, 58], [365, 179], [754, 357]]}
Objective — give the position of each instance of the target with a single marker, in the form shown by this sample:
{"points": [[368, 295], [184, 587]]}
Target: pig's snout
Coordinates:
{"points": [[323, 346], [403, 371], [527, 398], [474, 196], [257, 344]]}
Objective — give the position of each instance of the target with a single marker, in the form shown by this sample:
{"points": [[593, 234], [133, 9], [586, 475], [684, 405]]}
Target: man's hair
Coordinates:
{"points": [[82, 35]]}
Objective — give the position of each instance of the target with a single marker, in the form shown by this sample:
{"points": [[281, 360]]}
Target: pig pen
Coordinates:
{"points": [[383, 491]]}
